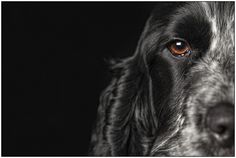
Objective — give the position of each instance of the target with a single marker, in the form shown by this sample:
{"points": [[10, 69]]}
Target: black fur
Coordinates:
{"points": [[140, 107]]}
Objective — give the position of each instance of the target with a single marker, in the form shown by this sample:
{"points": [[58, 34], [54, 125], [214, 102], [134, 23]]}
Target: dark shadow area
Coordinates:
{"points": [[54, 69]]}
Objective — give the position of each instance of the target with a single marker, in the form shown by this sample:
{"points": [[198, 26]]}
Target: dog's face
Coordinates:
{"points": [[189, 50], [175, 95]]}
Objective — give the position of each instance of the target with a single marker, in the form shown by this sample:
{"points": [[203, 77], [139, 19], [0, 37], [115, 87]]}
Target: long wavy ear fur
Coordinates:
{"points": [[126, 121], [131, 120]]}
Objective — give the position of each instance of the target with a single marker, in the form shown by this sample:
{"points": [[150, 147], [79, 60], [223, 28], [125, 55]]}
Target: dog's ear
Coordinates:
{"points": [[132, 115], [132, 119]]}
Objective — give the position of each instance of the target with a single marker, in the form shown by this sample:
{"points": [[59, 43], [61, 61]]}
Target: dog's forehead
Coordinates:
{"points": [[221, 18], [209, 25], [222, 12]]}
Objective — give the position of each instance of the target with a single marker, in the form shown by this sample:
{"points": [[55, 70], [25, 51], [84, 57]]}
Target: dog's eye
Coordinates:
{"points": [[179, 48]]}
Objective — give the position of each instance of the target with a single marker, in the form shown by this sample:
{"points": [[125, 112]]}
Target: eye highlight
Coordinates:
{"points": [[179, 48]]}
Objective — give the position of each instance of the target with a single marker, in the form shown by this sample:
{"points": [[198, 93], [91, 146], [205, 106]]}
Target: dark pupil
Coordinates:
{"points": [[180, 45]]}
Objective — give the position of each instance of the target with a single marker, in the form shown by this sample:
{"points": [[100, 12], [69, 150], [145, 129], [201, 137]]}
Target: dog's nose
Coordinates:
{"points": [[220, 122]]}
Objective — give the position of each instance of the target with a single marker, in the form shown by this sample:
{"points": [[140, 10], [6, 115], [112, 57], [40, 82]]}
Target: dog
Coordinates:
{"points": [[175, 95]]}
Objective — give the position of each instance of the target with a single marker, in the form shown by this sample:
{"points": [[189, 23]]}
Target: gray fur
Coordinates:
{"points": [[215, 84]]}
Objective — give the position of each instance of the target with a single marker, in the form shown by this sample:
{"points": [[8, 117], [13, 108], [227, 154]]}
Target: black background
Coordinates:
{"points": [[54, 69]]}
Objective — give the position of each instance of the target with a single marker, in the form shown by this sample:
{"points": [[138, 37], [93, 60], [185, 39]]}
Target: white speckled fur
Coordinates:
{"points": [[214, 76]]}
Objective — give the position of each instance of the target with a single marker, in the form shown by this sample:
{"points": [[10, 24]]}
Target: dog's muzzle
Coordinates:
{"points": [[220, 123]]}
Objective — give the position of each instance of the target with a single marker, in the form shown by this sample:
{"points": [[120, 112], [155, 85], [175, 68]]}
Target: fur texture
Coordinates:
{"points": [[157, 103]]}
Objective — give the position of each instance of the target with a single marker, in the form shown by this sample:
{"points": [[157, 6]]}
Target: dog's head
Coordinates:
{"points": [[175, 95], [188, 49]]}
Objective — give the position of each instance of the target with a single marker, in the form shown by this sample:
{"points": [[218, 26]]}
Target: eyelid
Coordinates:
{"points": [[178, 38]]}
